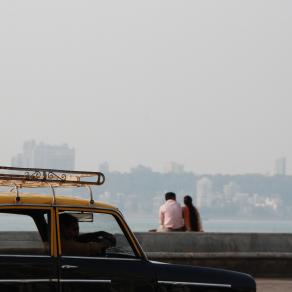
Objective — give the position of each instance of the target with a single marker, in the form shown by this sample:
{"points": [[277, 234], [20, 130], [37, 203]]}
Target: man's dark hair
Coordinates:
{"points": [[170, 196], [65, 219]]}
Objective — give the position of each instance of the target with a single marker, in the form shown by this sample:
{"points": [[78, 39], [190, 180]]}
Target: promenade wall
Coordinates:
{"points": [[267, 255]]}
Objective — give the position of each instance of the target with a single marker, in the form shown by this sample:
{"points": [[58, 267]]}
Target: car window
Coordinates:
{"points": [[20, 232], [100, 236]]}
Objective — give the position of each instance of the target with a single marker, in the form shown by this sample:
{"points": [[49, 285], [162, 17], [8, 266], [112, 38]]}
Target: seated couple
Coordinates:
{"points": [[173, 217]]}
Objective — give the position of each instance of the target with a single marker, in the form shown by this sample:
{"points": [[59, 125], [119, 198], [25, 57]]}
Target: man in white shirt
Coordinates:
{"points": [[170, 214]]}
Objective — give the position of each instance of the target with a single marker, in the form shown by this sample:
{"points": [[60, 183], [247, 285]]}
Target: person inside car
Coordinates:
{"points": [[89, 244]]}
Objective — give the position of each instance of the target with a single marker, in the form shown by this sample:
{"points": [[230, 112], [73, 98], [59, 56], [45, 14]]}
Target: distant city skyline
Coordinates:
{"points": [[62, 155]]}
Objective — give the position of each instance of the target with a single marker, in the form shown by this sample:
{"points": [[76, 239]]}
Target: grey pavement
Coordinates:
{"points": [[274, 285]]}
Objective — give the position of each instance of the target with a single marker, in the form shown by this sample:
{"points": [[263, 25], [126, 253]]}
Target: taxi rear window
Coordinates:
{"points": [[24, 232]]}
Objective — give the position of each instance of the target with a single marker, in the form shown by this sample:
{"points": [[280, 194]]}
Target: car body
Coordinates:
{"points": [[105, 255]]}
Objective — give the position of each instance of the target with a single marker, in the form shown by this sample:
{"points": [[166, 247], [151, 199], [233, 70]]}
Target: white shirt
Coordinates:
{"points": [[170, 215]]}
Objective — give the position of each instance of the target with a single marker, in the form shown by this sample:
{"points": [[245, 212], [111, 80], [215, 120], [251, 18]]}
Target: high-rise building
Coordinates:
{"points": [[280, 166], [104, 167], [174, 167], [204, 192], [230, 190], [45, 156]]}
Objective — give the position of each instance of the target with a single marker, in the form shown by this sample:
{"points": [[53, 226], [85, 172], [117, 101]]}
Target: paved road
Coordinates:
{"points": [[274, 285]]}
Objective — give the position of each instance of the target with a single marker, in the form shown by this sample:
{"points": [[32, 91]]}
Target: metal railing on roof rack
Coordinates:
{"points": [[42, 177]]}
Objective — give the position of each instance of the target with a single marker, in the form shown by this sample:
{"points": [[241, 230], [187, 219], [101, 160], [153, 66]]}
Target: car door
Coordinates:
{"points": [[118, 268], [26, 255]]}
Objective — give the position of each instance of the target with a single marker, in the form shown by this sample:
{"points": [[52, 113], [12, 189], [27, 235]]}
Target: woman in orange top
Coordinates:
{"points": [[191, 216]]}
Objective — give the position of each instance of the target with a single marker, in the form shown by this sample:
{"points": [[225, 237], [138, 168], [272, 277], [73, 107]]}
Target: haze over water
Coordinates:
{"points": [[143, 223]]}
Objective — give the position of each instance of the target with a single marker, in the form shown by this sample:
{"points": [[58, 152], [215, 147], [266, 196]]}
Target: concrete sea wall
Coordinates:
{"points": [[259, 254]]}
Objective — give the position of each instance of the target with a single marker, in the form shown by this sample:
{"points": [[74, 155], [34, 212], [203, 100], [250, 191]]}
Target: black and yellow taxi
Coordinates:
{"points": [[51, 242]]}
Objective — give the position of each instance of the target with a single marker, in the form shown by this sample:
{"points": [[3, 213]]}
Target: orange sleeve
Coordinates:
{"points": [[186, 216]]}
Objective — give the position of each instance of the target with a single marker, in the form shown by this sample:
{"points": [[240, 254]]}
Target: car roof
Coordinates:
{"points": [[9, 198], [31, 178]]}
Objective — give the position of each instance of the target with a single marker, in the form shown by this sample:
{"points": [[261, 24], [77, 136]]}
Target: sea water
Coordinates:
{"points": [[143, 223], [146, 223]]}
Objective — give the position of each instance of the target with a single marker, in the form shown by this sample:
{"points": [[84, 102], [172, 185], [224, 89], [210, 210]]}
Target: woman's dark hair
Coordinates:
{"points": [[194, 214]]}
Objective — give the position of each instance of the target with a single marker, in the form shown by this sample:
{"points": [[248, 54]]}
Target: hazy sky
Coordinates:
{"points": [[203, 83]]}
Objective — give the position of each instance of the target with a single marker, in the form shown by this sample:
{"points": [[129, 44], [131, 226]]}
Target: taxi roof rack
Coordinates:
{"points": [[41, 177]]}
